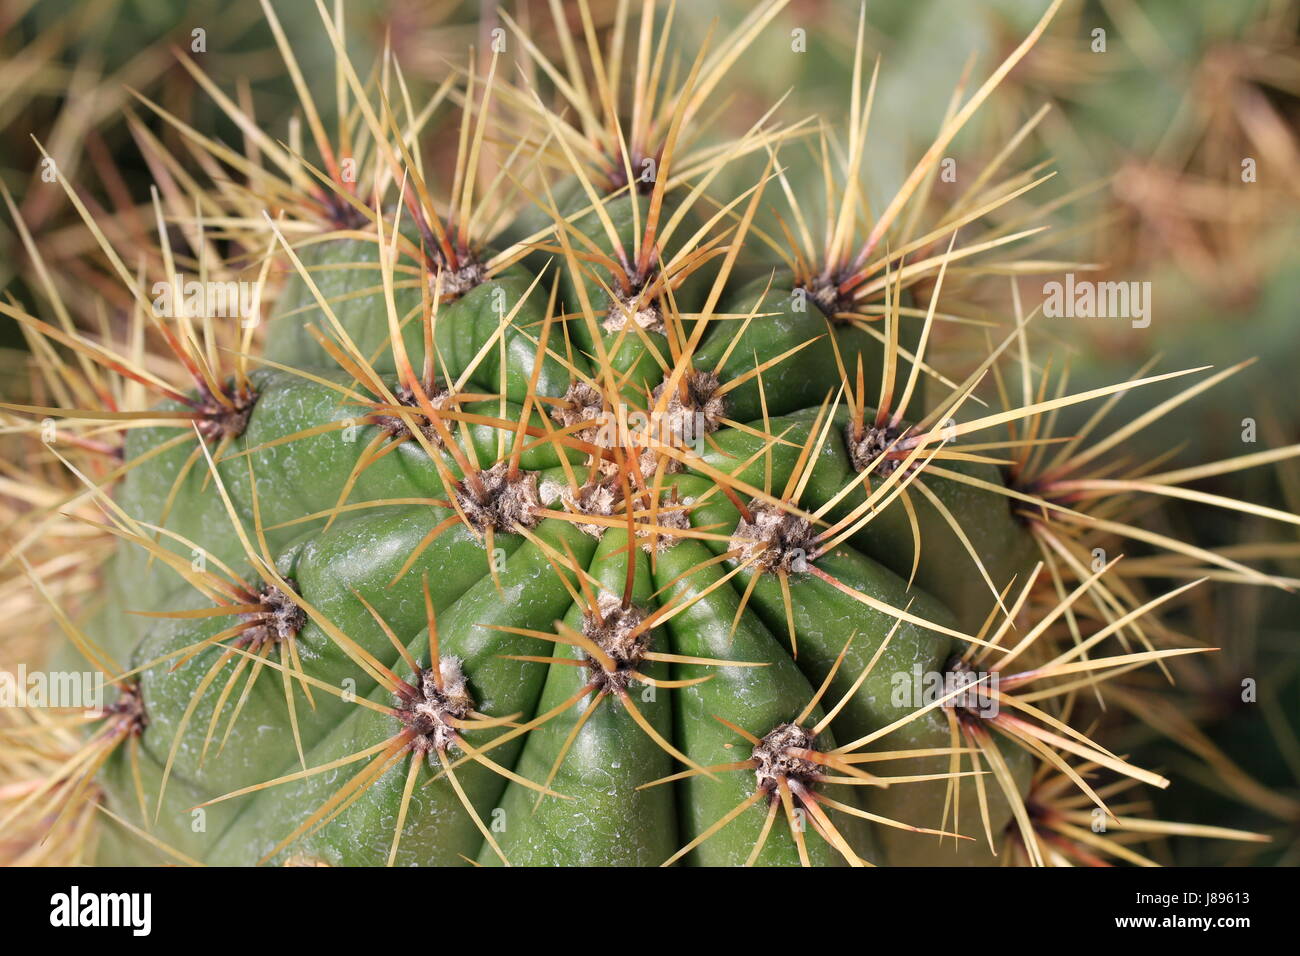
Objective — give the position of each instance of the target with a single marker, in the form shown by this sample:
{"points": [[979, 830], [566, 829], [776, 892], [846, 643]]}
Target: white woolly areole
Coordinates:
{"points": [[431, 712], [506, 502], [614, 632], [775, 540]]}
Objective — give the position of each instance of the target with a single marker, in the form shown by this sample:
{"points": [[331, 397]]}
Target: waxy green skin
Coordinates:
{"points": [[438, 830], [294, 479], [354, 294], [608, 819], [751, 698], [607, 816], [347, 275], [824, 617], [1002, 541], [785, 318]]}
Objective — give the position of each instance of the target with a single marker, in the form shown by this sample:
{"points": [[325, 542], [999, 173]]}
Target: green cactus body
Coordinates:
{"points": [[608, 738]]}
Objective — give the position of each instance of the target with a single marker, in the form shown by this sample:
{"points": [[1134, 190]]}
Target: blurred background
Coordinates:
{"points": [[1172, 126]]}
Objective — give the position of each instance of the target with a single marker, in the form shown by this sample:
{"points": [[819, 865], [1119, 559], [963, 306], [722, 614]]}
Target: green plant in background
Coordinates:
{"points": [[547, 523]]}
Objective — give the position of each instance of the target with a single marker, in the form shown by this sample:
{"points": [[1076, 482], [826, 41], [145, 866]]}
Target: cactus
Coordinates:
{"points": [[544, 525]]}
